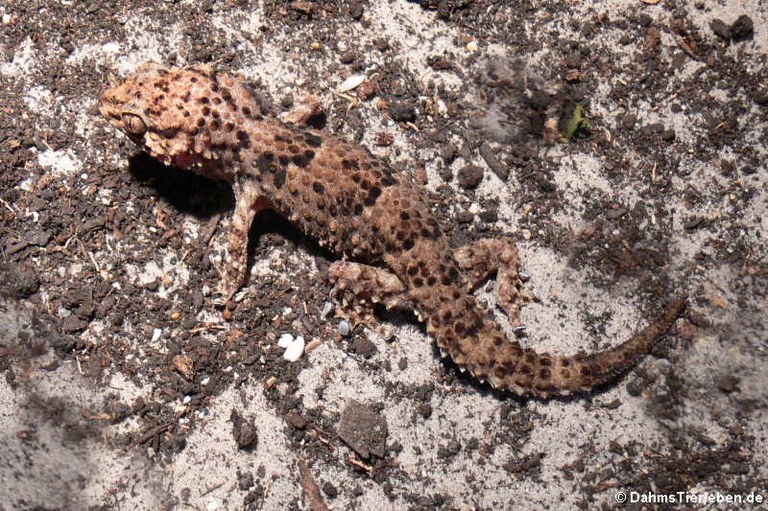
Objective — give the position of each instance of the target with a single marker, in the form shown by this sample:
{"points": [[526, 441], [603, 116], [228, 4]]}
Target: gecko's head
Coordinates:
{"points": [[166, 111]]}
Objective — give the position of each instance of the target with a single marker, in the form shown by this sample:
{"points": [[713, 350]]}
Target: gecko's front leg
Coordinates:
{"points": [[249, 200]]}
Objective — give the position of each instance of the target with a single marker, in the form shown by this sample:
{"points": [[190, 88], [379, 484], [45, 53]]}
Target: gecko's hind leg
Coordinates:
{"points": [[357, 288], [481, 259]]}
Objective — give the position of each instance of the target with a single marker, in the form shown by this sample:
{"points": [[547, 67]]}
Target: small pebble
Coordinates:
{"points": [[285, 341], [351, 83], [344, 328], [295, 350]]}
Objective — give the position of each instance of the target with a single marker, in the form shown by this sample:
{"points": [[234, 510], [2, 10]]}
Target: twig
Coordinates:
{"points": [[311, 489]]}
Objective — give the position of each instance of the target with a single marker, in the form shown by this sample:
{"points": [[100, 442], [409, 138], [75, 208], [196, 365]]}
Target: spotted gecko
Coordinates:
{"points": [[393, 250]]}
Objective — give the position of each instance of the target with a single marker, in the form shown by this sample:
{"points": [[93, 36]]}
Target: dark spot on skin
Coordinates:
{"points": [[228, 127], [284, 159], [246, 111], [373, 194], [300, 160], [217, 100], [418, 282], [200, 122], [279, 138], [206, 111], [264, 163], [525, 369], [318, 187], [215, 113], [544, 361], [349, 164], [312, 140], [459, 328], [203, 100], [404, 215], [309, 153], [544, 374], [293, 148], [565, 374], [193, 79], [226, 94], [388, 181], [586, 371], [333, 210], [280, 178], [431, 281], [215, 124], [566, 362]]}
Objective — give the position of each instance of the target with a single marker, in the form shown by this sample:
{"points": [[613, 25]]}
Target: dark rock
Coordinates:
{"points": [[244, 430], [363, 430], [402, 112], [493, 161], [364, 347], [330, 490], [743, 28], [628, 121], [728, 383], [296, 420], [720, 29], [469, 176]]}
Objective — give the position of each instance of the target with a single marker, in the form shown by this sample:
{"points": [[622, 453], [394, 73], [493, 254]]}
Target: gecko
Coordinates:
{"points": [[376, 219]]}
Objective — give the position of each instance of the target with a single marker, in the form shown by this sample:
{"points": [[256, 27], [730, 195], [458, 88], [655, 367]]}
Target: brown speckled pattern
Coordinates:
{"points": [[359, 207]]}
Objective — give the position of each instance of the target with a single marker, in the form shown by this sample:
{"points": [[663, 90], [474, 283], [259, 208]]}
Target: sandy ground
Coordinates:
{"points": [[124, 388]]}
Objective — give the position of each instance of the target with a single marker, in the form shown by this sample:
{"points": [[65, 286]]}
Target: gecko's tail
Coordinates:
{"points": [[477, 344]]}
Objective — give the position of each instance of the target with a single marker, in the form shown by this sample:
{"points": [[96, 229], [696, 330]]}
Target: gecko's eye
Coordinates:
{"points": [[134, 125]]}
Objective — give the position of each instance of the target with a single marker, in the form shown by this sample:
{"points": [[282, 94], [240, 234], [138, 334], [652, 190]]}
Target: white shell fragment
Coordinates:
{"points": [[295, 350], [285, 340], [351, 83], [344, 328], [327, 308]]}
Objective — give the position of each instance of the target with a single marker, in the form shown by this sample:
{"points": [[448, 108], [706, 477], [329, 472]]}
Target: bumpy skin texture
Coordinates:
{"points": [[359, 207]]}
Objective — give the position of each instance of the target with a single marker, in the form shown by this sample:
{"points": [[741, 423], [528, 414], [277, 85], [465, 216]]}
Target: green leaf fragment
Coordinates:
{"points": [[577, 122]]}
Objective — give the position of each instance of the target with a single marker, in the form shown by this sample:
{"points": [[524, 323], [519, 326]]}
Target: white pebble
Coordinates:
{"points": [[285, 340], [351, 83], [156, 333], [186, 400], [295, 350]]}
